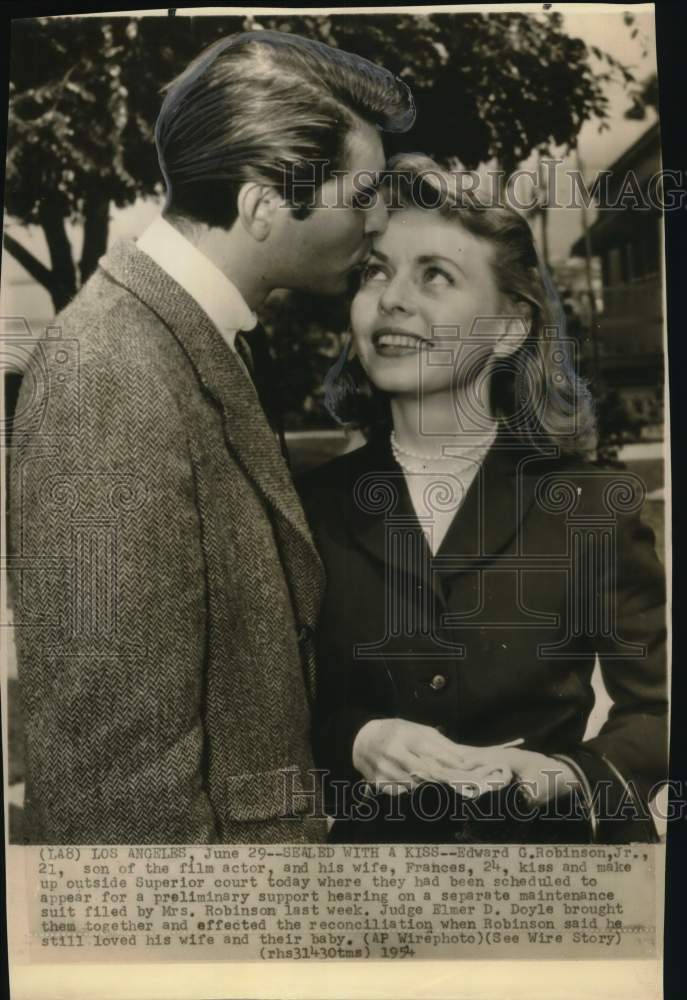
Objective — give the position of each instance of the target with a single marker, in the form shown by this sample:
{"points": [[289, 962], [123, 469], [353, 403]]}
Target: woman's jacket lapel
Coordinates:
{"points": [[488, 520]]}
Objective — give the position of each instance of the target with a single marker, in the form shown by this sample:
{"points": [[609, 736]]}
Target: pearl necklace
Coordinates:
{"points": [[471, 454]]}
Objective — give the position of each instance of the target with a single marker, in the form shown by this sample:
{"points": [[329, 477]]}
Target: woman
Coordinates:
{"points": [[477, 564]]}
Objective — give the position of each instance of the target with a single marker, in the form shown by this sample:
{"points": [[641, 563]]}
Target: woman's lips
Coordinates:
{"points": [[396, 343]]}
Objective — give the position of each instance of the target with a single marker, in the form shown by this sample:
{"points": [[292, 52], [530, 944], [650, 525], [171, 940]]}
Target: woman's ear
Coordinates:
{"points": [[351, 351], [518, 316], [257, 207]]}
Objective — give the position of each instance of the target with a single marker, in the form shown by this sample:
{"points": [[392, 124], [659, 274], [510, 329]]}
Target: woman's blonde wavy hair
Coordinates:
{"points": [[536, 393]]}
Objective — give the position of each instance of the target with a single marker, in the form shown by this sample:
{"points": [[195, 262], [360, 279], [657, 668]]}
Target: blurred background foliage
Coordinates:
{"points": [[85, 94]]}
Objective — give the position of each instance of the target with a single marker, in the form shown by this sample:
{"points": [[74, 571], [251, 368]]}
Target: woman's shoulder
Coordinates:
{"points": [[609, 486], [337, 476], [596, 496], [327, 494]]}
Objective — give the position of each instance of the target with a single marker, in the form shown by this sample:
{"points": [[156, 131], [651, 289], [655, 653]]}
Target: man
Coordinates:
{"points": [[165, 582]]}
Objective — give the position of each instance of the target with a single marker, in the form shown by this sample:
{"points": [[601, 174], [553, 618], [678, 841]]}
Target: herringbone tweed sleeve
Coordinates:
{"points": [[110, 603]]}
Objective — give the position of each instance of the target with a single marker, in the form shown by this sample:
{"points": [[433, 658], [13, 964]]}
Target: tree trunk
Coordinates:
{"points": [[38, 271], [60, 280], [63, 271], [96, 225]]}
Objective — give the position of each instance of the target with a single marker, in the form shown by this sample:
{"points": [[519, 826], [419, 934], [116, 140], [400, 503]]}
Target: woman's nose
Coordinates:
{"points": [[396, 296]]}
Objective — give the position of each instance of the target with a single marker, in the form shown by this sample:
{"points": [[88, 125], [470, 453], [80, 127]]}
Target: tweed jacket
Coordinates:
{"points": [[165, 584], [545, 567]]}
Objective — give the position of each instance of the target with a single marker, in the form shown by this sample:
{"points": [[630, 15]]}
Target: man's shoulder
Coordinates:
{"points": [[106, 319], [109, 360]]}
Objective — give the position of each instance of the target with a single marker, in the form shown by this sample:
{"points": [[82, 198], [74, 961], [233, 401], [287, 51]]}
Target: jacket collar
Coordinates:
{"points": [[246, 429], [490, 516], [213, 291]]}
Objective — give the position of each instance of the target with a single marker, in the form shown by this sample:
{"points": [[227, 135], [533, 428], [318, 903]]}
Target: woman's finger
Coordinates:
{"points": [[452, 754], [472, 784], [396, 777], [439, 748]]}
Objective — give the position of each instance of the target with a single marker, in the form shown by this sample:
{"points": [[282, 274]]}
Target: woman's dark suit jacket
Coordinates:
{"points": [[546, 565]]}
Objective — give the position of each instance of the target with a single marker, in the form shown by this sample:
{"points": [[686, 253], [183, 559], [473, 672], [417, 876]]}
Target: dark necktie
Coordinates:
{"points": [[253, 348]]}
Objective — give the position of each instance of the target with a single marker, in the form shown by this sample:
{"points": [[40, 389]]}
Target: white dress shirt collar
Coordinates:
{"points": [[216, 295]]}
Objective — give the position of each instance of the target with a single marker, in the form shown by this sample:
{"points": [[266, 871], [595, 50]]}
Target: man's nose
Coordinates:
{"points": [[376, 217]]}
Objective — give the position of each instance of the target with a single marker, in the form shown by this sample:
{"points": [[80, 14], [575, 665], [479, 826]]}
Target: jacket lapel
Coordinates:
{"points": [[246, 429], [496, 504], [381, 513]]}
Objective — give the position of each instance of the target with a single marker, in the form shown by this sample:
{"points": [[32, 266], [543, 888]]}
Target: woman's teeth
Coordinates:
{"points": [[398, 340]]}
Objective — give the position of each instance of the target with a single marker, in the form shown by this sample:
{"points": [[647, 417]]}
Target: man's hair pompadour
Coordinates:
{"points": [[266, 105]]}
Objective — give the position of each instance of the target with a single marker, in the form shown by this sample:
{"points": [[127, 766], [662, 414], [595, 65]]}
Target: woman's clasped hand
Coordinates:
{"points": [[396, 755]]}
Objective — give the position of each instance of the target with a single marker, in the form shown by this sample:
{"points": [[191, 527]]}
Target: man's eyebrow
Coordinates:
{"points": [[430, 257]]}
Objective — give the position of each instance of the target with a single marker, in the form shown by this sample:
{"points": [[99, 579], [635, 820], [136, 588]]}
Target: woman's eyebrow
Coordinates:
{"points": [[378, 253], [431, 257]]}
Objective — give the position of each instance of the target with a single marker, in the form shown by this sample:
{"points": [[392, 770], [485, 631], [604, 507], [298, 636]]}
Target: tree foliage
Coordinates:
{"points": [[85, 93], [84, 96], [644, 96]]}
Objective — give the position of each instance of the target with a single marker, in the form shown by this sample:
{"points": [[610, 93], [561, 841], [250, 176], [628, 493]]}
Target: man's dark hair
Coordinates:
{"points": [[267, 105]]}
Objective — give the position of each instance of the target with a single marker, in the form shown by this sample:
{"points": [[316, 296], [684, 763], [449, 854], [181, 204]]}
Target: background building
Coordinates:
{"points": [[628, 332]]}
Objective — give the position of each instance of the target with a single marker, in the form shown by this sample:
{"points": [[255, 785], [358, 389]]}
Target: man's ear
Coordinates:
{"points": [[517, 329], [257, 207]]}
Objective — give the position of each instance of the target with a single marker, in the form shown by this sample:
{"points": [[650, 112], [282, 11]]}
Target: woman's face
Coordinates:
{"points": [[428, 305]]}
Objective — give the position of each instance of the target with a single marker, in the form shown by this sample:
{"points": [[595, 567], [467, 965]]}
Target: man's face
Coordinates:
{"points": [[325, 247]]}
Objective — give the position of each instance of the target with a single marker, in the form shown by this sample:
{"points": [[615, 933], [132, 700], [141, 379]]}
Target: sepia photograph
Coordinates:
{"points": [[336, 488]]}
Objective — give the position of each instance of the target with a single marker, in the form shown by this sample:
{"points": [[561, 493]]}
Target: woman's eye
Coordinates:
{"points": [[373, 272], [437, 277]]}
